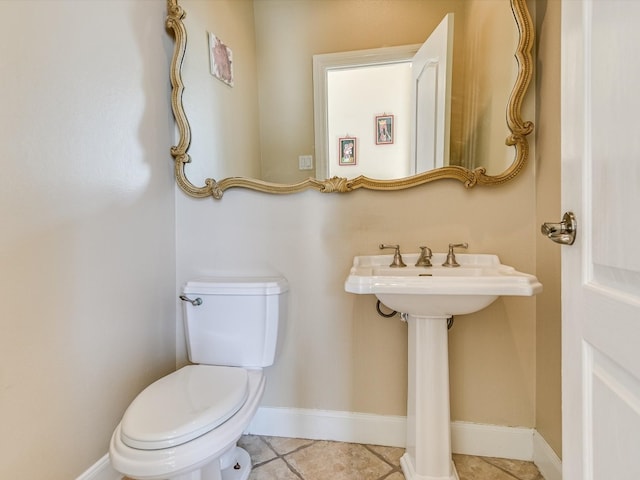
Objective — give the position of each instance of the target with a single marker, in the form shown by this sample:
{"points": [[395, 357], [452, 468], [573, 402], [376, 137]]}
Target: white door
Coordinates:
{"points": [[431, 91], [601, 271]]}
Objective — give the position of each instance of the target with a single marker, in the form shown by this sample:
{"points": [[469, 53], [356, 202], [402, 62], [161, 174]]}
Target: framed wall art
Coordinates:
{"points": [[384, 129], [221, 60], [347, 151]]}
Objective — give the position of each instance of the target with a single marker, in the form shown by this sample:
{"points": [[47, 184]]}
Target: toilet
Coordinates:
{"points": [[185, 426]]}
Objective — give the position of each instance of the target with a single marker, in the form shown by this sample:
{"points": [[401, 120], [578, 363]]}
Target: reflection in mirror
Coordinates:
{"points": [[413, 82], [372, 104], [259, 133]]}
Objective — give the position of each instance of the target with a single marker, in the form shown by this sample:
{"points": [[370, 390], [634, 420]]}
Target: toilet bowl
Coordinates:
{"points": [[185, 426], [174, 461]]}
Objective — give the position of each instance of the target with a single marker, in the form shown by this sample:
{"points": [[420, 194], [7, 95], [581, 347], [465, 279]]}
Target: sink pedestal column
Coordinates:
{"points": [[428, 455]]}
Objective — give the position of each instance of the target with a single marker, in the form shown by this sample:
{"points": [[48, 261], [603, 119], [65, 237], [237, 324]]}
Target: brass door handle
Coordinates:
{"points": [[563, 232]]}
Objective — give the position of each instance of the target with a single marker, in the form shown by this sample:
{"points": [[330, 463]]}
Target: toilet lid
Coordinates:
{"points": [[184, 405]]}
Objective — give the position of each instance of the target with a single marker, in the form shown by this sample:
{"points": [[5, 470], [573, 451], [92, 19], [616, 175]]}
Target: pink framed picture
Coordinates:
{"points": [[347, 151], [384, 129], [221, 60]]}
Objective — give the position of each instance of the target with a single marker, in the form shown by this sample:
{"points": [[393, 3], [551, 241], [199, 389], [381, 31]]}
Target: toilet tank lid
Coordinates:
{"points": [[230, 285]]}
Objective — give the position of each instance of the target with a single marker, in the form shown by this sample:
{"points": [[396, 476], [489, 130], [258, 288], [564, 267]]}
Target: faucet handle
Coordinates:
{"points": [[451, 258], [397, 258], [424, 260]]}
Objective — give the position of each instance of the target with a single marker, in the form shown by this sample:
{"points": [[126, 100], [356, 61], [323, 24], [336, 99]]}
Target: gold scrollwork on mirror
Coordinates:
{"points": [[470, 176]]}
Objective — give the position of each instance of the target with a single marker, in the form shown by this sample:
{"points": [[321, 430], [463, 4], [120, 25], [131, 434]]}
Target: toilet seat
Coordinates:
{"points": [[184, 405], [182, 459]]}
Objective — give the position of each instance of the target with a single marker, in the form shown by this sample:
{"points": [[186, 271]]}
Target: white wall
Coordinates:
{"points": [[355, 96], [87, 253]]}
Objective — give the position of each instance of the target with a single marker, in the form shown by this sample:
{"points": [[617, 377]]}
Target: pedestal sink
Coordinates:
{"points": [[429, 296]]}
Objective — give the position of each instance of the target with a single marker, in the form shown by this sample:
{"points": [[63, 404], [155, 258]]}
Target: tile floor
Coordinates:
{"points": [[276, 458]]}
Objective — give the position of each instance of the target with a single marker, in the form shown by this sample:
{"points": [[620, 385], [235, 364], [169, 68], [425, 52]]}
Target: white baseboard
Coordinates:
{"points": [[466, 438], [545, 458], [101, 470], [492, 440], [330, 425]]}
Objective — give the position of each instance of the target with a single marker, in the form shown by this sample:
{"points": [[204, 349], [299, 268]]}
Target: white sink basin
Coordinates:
{"points": [[437, 290]]}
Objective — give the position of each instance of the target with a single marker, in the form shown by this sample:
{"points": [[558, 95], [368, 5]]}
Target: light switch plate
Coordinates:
{"points": [[305, 162]]}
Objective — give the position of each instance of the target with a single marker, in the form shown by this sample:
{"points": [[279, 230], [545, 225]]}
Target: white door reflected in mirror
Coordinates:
{"points": [[432, 69], [390, 108]]}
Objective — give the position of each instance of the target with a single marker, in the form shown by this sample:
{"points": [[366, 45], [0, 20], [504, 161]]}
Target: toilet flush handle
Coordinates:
{"points": [[195, 302]]}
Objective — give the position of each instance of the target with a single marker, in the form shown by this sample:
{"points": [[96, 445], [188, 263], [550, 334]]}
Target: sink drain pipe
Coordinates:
{"points": [[403, 316], [382, 314]]}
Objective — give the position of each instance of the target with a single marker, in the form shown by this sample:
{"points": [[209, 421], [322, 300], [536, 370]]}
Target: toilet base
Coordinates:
{"points": [[239, 468]]}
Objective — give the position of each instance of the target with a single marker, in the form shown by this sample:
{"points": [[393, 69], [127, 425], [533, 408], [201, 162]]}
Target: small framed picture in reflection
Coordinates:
{"points": [[384, 129], [347, 151], [221, 60]]}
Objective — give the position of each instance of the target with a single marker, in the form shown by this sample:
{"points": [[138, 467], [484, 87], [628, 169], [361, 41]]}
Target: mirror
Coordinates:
{"points": [[254, 128]]}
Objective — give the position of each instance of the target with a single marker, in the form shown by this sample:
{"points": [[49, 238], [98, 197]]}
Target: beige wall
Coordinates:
{"points": [[227, 136], [548, 319], [338, 354], [87, 235], [489, 70]]}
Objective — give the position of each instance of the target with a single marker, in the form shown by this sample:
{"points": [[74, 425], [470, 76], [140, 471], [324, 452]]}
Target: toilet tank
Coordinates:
{"points": [[237, 322]]}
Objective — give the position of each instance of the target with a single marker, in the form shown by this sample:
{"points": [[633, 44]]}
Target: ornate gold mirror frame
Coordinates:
{"points": [[518, 138]]}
